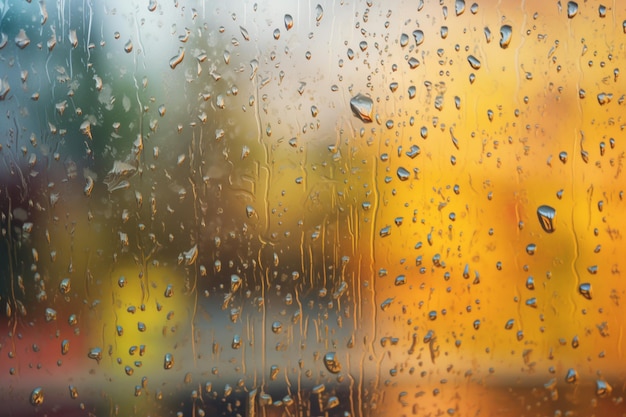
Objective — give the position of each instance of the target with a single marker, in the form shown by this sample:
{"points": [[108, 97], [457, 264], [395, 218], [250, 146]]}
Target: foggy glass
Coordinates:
{"points": [[295, 208]]}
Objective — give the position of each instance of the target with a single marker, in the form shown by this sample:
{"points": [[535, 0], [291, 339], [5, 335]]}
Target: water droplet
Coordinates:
{"points": [[404, 40], [563, 156], [509, 324], [474, 62], [51, 314], [128, 46], [288, 22], [73, 392], [459, 7], [506, 33], [36, 396], [443, 32], [403, 174], [168, 361], [319, 13], [572, 9], [236, 344], [413, 63], [65, 286], [546, 215], [21, 40], [604, 98], [277, 327], [419, 37], [152, 5], [531, 248], [95, 354], [585, 290], [362, 107], [178, 58], [276, 34], [603, 389], [65, 347], [73, 38], [572, 376], [169, 291]]}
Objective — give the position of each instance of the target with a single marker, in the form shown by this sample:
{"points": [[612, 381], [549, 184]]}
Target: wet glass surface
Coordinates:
{"points": [[301, 209]]}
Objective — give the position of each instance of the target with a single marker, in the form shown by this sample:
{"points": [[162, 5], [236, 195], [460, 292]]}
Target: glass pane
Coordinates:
{"points": [[299, 209]]}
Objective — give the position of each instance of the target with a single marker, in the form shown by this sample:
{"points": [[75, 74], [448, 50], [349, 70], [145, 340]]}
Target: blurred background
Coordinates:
{"points": [[299, 208]]}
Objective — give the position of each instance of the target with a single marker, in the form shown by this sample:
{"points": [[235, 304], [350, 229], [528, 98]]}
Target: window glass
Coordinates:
{"points": [[292, 208]]}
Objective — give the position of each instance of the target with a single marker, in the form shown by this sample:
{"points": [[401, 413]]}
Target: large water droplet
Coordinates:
{"points": [[572, 9], [474, 62], [362, 107], [403, 174], [546, 215], [506, 33], [288, 22]]}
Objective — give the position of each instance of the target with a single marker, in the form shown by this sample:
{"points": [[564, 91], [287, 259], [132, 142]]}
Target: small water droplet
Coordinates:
{"points": [[65, 286], [168, 361], [21, 40], [603, 389], [404, 40], [531, 248], [36, 396], [572, 376], [319, 13], [128, 46], [585, 290], [95, 354], [178, 58]]}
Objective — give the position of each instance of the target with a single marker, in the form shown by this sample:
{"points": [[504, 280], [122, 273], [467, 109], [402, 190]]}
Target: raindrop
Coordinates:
{"points": [[404, 40], [474, 62], [277, 327], [95, 354], [288, 22], [362, 107], [319, 13], [419, 37], [572, 9], [21, 40], [459, 7], [64, 286], [603, 389], [546, 215], [36, 396], [506, 33], [177, 59], [168, 361], [572, 376], [585, 290], [332, 363]]}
